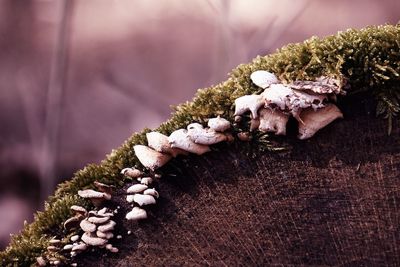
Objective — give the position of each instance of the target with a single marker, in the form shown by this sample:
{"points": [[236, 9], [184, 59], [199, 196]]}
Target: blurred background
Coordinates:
{"points": [[79, 77]]}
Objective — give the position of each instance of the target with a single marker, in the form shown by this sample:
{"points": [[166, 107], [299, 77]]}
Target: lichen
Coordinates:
{"points": [[363, 60]]}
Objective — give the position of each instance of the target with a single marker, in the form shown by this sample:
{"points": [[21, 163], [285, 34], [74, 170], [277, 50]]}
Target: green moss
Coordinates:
{"points": [[368, 59]]}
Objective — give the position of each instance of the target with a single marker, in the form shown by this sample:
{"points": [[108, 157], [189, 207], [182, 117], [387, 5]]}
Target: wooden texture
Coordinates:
{"points": [[332, 200]]}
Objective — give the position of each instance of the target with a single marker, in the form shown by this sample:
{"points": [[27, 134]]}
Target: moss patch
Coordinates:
{"points": [[367, 60]]}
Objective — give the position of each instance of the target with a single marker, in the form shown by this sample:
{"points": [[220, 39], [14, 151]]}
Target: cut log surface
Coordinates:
{"points": [[330, 200]]}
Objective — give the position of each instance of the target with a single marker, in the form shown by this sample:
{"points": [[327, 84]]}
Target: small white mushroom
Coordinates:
{"points": [[75, 238], [143, 199], [136, 214], [248, 103], [68, 247], [263, 78], [98, 220], [180, 139], [97, 198], [55, 241], [107, 227], [104, 212], [312, 121], [159, 142], [79, 247], [202, 136], [93, 240], [151, 192], [111, 248], [131, 172], [129, 198], [273, 121], [87, 226], [52, 248], [150, 158], [136, 188], [104, 187], [219, 124], [278, 95], [106, 235], [146, 180], [73, 222], [79, 210]]}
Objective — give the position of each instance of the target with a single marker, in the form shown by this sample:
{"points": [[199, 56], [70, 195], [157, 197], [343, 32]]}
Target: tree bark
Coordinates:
{"points": [[330, 200]]}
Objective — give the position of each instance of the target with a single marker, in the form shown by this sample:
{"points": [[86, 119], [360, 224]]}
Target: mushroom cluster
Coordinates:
{"points": [[98, 229], [97, 197], [307, 101], [194, 139]]}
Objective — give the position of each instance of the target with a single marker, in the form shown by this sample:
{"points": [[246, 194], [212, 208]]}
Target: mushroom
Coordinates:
{"points": [[104, 187], [202, 136], [159, 142], [78, 210], [52, 248], [143, 199], [248, 103], [129, 198], [131, 172], [181, 139], [106, 235], [219, 124], [79, 247], [107, 227], [73, 222], [87, 226], [96, 197], [263, 78], [75, 238], [146, 180], [150, 158], [151, 192], [41, 261], [98, 220], [93, 240], [273, 121], [136, 188], [111, 248], [322, 85], [312, 121], [287, 99], [68, 247], [103, 212], [136, 214]]}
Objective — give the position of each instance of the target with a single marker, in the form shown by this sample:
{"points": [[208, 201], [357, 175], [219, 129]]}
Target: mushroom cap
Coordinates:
{"points": [[159, 142], [90, 193], [312, 121], [151, 192], [248, 103], [144, 199], [146, 180], [273, 121], [131, 172], [202, 136], [93, 240], [79, 247], [180, 139], [263, 78], [136, 188], [79, 209], [107, 227], [150, 158], [219, 124], [129, 198], [87, 226], [98, 220], [68, 247], [73, 222], [106, 235], [104, 187], [136, 214]]}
